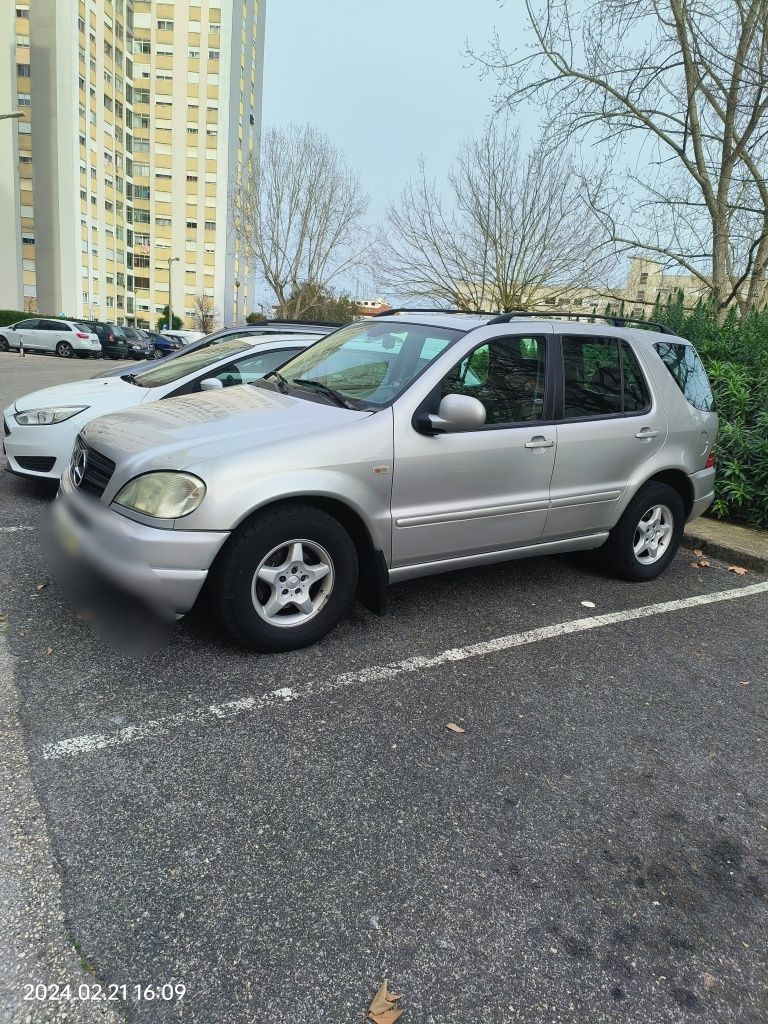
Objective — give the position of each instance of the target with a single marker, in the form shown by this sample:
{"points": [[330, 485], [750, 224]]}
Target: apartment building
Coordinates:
{"points": [[140, 115]]}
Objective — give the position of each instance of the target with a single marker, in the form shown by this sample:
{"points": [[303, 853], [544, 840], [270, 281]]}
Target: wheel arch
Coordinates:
{"points": [[373, 571], [678, 481]]}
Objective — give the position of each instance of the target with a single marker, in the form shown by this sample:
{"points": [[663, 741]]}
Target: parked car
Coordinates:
{"points": [[162, 345], [185, 337], [40, 428], [116, 343], [66, 338], [271, 327], [139, 343], [397, 447]]}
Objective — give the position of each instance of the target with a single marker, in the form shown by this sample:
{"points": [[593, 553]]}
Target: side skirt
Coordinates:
{"points": [[409, 572]]}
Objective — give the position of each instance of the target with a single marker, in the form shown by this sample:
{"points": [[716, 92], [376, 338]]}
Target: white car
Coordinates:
{"points": [[64, 337], [40, 429], [185, 337]]}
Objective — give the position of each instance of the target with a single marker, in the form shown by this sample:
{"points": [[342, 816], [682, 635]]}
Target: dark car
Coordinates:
{"points": [[139, 344], [111, 337], [162, 345]]}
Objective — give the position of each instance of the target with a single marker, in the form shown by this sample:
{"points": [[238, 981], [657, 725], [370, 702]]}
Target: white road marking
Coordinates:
{"points": [[155, 728], [15, 529]]}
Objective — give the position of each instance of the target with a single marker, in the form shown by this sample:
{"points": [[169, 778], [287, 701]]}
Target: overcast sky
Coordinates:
{"points": [[385, 81]]}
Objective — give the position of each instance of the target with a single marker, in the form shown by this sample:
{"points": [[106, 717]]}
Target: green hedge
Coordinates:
{"points": [[735, 354]]}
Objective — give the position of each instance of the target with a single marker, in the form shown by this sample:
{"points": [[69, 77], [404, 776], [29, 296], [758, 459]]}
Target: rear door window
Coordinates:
{"points": [[684, 364], [601, 377]]}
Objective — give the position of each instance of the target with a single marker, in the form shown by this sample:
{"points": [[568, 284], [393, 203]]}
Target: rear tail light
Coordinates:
{"points": [[79, 334], [711, 457]]}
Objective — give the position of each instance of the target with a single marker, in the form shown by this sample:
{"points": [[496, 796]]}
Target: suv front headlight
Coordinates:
{"points": [[44, 417], [163, 495]]}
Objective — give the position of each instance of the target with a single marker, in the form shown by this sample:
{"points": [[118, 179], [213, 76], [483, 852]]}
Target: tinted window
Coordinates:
{"points": [[636, 394], [602, 377], [506, 375], [26, 325], [684, 364], [53, 325]]}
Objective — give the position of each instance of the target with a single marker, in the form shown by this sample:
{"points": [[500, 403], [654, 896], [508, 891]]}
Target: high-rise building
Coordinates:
{"points": [[140, 115]]}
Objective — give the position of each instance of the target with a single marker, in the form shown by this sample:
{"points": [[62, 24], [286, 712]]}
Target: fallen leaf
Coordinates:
{"points": [[3, 617], [709, 982], [41, 586], [737, 569], [381, 1010], [455, 728], [698, 552], [588, 604], [49, 650], [704, 563], [694, 565], [744, 682]]}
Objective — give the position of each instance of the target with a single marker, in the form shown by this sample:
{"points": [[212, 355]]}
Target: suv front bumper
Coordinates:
{"points": [[166, 568]]}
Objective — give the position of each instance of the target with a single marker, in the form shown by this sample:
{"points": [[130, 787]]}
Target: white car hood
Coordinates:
{"points": [[105, 392]]}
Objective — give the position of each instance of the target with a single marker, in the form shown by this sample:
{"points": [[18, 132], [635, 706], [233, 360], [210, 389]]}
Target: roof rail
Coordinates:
{"points": [[616, 321], [435, 309], [302, 323]]}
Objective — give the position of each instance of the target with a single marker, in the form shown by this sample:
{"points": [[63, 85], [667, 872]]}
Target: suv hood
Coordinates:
{"points": [[102, 391], [178, 432]]}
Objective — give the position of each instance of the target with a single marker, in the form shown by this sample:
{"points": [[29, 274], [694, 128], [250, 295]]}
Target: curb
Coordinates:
{"points": [[738, 545]]}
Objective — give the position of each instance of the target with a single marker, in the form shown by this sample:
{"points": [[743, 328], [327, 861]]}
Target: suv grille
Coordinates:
{"points": [[98, 469]]}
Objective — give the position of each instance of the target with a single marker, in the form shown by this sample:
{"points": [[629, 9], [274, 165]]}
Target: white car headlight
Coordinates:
{"points": [[42, 417], [163, 495]]}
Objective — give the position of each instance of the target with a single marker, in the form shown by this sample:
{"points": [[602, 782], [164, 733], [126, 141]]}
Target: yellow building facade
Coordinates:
{"points": [[138, 116]]}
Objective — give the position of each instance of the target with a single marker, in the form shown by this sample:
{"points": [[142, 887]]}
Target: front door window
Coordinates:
{"points": [[506, 375]]}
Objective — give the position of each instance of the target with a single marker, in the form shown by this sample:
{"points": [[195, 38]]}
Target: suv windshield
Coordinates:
{"points": [[369, 362], [180, 366]]}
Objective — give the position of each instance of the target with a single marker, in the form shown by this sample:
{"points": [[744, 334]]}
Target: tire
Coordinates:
{"points": [[264, 544], [619, 555], [4, 346], [65, 350], [158, 353]]}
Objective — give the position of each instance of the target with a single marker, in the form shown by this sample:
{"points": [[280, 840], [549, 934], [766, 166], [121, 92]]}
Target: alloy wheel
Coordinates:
{"points": [[653, 534], [292, 583]]}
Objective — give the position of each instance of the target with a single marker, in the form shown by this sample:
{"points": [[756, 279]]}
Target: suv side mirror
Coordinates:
{"points": [[211, 384], [456, 413]]}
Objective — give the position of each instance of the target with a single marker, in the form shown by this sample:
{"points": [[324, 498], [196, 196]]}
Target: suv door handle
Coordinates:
{"points": [[539, 441], [646, 434]]}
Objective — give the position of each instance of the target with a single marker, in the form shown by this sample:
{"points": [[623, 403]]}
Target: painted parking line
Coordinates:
{"points": [[15, 529], [159, 727]]}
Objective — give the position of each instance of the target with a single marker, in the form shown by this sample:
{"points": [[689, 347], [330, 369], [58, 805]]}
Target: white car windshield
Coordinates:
{"points": [[189, 362], [371, 363]]}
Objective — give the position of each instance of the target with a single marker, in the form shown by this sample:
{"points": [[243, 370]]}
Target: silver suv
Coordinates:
{"points": [[404, 445]]}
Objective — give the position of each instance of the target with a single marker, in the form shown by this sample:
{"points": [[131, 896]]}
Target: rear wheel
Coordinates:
{"points": [[65, 350], [158, 353], [646, 538], [285, 579]]}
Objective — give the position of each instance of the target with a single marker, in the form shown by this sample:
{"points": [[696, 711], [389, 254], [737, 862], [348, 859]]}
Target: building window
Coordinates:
{"points": [[163, 25], [23, 99], [210, 225], [22, 12], [22, 70], [213, 55], [27, 239], [643, 279], [191, 223]]}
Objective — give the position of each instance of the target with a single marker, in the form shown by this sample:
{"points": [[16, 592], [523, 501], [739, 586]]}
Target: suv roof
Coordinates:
{"points": [[470, 320]]}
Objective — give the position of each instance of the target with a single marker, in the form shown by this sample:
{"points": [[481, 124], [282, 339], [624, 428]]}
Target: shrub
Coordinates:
{"points": [[735, 354]]}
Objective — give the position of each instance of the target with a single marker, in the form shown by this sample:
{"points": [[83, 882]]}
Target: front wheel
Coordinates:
{"points": [[285, 579], [4, 346], [64, 349], [646, 538]]}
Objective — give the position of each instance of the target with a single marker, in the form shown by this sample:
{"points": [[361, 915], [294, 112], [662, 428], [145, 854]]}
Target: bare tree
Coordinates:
{"points": [[297, 215], [507, 225], [680, 89], [205, 316]]}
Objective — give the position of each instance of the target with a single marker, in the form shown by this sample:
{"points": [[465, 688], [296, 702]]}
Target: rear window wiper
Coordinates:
{"points": [[334, 394]]}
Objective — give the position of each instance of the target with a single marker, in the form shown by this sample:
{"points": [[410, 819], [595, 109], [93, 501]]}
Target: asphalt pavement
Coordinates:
{"points": [[279, 833]]}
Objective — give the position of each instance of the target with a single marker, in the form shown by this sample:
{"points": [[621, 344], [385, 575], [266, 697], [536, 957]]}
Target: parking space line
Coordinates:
{"points": [[159, 727], [15, 529]]}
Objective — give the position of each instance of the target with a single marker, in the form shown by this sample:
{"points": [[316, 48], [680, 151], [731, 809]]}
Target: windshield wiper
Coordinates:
{"points": [[131, 378], [282, 383], [335, 395]]}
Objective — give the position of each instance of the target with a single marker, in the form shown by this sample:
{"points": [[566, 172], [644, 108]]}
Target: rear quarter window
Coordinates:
{"points": [[684, 364]]}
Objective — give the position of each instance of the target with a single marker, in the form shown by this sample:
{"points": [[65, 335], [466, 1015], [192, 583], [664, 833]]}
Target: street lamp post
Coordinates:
{"points": [[237, 301], [171, 259], [15, 115]]}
